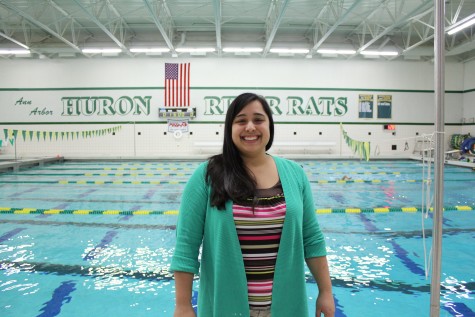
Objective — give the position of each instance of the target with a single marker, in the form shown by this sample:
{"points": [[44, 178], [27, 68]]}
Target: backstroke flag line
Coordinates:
{"points": [[177, 85]]}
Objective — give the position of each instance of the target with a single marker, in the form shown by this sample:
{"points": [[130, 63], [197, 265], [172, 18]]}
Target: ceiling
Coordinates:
{"points": [[63, 28]]}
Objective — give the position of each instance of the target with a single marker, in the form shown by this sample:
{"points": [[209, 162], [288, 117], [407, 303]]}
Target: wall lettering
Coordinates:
{"points": [[322, 106], [106, 106]]}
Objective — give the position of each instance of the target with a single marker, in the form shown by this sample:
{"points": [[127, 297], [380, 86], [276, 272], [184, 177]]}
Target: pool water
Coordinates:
{"points": [[96, 239]]}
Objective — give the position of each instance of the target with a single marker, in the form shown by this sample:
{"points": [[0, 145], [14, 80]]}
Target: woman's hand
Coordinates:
{"points": [[183, 286], [325, 305], [184, 311]]}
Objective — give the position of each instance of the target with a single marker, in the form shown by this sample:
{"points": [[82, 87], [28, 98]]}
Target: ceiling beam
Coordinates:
{"points": [[13, 40], [462, 48], [71, 25], [451, 50], [217, 21], [340, 20], [39, 24], [22, 45], [159, 25], [103, 27], [426, 4], [275, 25]]}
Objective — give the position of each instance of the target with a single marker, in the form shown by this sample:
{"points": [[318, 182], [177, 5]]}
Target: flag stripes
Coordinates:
{"points": [[177, 85]]}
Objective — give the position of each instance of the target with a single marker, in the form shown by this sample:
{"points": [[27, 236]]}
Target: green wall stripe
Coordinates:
{"points": [[240, 88]]}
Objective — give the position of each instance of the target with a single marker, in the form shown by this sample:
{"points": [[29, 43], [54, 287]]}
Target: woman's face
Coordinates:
{"points": [[250, 130]]}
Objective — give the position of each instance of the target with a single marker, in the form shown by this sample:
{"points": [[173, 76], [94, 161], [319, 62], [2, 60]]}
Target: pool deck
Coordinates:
{"points": [[462, 163], [15, 165]]}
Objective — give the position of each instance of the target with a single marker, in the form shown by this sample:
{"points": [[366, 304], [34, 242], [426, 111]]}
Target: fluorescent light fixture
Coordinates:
{"points": [[461, 26], [379, 53], [332, 51], [242, 50], [289, 50], [150, 50], [66, 54], [14, 52], [195, 50], [101, 50]]}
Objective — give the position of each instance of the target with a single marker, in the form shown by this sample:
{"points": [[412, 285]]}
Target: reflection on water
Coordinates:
{"points": [[67, 262]]}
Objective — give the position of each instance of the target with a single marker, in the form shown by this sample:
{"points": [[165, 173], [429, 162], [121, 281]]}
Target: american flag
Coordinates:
{"points": [[177, 85]]}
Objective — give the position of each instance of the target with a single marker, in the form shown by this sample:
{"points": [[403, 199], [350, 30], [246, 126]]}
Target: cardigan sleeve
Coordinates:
{"points": [[314, 241], [190, 225]]}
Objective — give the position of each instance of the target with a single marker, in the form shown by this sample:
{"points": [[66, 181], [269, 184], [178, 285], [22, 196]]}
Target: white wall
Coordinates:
{"points": [[409, 83], [469, 99]]}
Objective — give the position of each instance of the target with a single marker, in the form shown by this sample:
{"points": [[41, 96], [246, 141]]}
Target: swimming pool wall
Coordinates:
{"points": [[110, 108], [153, 141]]}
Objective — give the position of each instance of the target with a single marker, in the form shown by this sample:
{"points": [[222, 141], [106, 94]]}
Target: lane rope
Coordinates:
{"points": [[377, 210]]}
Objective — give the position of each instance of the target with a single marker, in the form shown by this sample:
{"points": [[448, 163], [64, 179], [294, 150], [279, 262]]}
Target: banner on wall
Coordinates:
{"points": [[142, 105], [178, 125], [384, 106], [10, 135], [174, 100], [365, 106]]}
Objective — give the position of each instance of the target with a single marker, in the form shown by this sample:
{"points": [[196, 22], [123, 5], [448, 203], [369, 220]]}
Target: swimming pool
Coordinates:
{"points": [[96, 238]]}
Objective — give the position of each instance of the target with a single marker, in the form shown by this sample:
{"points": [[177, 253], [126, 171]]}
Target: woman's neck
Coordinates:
{"points": [[255, 161]]}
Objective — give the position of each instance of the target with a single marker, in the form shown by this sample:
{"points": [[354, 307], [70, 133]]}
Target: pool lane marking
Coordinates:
{"points": [[402, 254], [377, 210], [105, 242], [458, 309], [175, 182], [61, 295], [399, 251], [119, 169], [189, 174], [124, 226], [10, 234], [116, 182], [162, 274], [30, 190]]}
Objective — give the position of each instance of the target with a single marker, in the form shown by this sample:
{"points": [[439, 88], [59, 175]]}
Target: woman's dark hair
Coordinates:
{"points": [[227, 174]]}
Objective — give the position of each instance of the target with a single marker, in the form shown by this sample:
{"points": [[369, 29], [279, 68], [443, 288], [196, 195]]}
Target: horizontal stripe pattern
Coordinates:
{"points": [[259, 230], [34, 211]]}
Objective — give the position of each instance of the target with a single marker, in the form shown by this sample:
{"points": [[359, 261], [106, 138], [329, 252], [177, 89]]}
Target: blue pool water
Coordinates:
{"points": [[100, 263]]}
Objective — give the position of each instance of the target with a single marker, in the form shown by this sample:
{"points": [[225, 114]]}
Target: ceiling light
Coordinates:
{"points": [[101, 50], [14, 52], [66, 54], [461, 26], [150, 50], [290, 50], [195, 50], [332, 51], [242, 50], [379, 53]]}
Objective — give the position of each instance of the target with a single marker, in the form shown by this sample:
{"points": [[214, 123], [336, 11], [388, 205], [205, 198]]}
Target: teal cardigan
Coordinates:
{"points": [[223, 285]]}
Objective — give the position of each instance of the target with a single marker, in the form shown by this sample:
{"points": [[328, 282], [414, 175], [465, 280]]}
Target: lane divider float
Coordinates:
{"points": [[377, 210]]}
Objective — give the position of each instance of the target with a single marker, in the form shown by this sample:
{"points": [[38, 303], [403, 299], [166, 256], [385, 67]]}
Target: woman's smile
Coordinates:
{"points": [[250, 130]]}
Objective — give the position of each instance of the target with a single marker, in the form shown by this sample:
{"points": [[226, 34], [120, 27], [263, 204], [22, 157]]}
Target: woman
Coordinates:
{"points": [[254, 216]]}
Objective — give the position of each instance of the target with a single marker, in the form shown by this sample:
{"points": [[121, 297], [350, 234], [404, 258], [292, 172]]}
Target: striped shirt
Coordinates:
{"points": [[259, 230]]}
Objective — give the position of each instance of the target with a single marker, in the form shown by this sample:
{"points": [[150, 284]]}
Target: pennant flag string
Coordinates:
{"points": [[363, 149], [10, 135]]}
